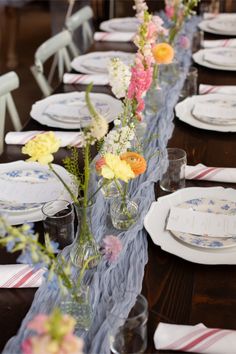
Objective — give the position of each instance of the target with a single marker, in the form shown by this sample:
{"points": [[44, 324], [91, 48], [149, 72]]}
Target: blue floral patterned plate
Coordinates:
{"points": [[207, 205], [18, 207]]}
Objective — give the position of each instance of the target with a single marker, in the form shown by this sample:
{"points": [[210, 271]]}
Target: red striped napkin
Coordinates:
{"points": [[67, 138], [20, 276], [228, 89], [85, 79], [217, 174], [114, 36], [220, 43], [195, 339]]}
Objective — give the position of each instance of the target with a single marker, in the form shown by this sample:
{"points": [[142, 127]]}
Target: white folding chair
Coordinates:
{"points": [[55, 46], [8, 83], [80, 18]]}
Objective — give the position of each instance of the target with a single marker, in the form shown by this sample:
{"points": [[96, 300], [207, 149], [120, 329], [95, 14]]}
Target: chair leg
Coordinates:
{"points": [[13, 113], [2, 122]]}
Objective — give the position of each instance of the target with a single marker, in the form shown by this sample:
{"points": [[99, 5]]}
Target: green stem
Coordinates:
{"points": [[86, 174], [64, 184], [93, 195], [85, 266]]}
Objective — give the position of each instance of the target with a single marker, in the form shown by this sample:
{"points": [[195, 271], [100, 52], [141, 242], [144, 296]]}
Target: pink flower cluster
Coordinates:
{"points": [[54, 335], [141, 79], [111, 247]]}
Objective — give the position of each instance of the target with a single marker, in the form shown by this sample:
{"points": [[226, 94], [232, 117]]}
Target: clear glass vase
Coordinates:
{"points": [[84, 247], [153, 99], [79, 307], [169, 73], [124, 213], [109, 188]]}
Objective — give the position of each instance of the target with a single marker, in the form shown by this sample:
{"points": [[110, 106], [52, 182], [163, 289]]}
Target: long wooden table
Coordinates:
{"points": [[178, 291]]}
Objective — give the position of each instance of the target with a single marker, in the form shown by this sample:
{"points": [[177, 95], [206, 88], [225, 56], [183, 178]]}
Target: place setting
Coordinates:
{"points": [[223, 24], [27, 186], [117, 30], [213, 111], [222, 58], [97, 62], [195, 223], [69, 110]]}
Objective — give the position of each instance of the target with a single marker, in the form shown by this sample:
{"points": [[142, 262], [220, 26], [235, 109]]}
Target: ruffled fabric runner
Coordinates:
{"points": [[108, 282]]}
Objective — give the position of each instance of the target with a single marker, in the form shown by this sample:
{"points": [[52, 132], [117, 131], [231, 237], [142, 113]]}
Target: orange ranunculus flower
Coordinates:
{"points": [[137, 162], [163, 53]]}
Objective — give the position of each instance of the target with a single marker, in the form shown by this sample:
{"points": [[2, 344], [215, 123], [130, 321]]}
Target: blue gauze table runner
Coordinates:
{"points": [[108, 282]]}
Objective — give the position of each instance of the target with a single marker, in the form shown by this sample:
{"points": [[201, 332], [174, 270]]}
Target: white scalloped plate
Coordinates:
{"points": [[123, 24], [155, 224], [198, 57], [184, 110], [106, 105], [26, 186], [97, 62]]}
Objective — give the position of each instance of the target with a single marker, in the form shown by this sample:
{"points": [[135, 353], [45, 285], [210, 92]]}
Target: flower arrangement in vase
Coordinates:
{"points": [[42, 148]]}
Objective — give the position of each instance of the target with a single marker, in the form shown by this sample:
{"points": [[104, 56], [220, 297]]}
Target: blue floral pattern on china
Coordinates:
{"points": [[18, 207], [27, 175], [208, 205]]}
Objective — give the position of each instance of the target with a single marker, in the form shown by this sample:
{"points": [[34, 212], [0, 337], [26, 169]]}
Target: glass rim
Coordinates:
{"points": [[60, 216], [179, 150], [144, 310]]}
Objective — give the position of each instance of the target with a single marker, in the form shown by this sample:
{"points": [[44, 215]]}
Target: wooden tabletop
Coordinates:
{"points": [[178, 291]]}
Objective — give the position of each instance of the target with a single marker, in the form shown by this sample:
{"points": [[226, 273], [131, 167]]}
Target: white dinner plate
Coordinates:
{"points": [[224, 25], [26, 186], [106, 105], [124, 24], [97, 62], [155, 224], [184, 111], [200, 58]]}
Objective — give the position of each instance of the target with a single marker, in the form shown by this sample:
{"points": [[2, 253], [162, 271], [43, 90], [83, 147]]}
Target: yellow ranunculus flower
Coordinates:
{"points": [[114, 167], [42, 147]]}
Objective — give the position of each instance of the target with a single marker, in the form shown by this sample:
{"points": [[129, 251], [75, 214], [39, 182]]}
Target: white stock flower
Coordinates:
{"points": [[119, 77], [118, 140]]}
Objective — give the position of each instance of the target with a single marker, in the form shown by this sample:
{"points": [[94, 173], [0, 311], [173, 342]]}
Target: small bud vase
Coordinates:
{"points": [[79, 307], [124, 213], [84, 247]]}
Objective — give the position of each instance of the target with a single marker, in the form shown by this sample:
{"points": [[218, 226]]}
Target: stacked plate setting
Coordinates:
{"points": [[211, 112], [69, 110], [198, 249], [26, 186]]}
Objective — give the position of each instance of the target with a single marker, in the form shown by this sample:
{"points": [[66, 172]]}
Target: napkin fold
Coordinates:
{"points": [[85, 79], [195, 339], [20, 276], [217, 174], [114, 36], [228, 90], [220, 43], [67, 138]]}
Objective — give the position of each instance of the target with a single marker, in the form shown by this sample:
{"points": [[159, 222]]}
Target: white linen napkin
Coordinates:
{"points": [[85, 79], [220, 59], [217, 174], [195, 339], [20, 276], [114, 36], [67, 138], [228, 90], [220, 43]]}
